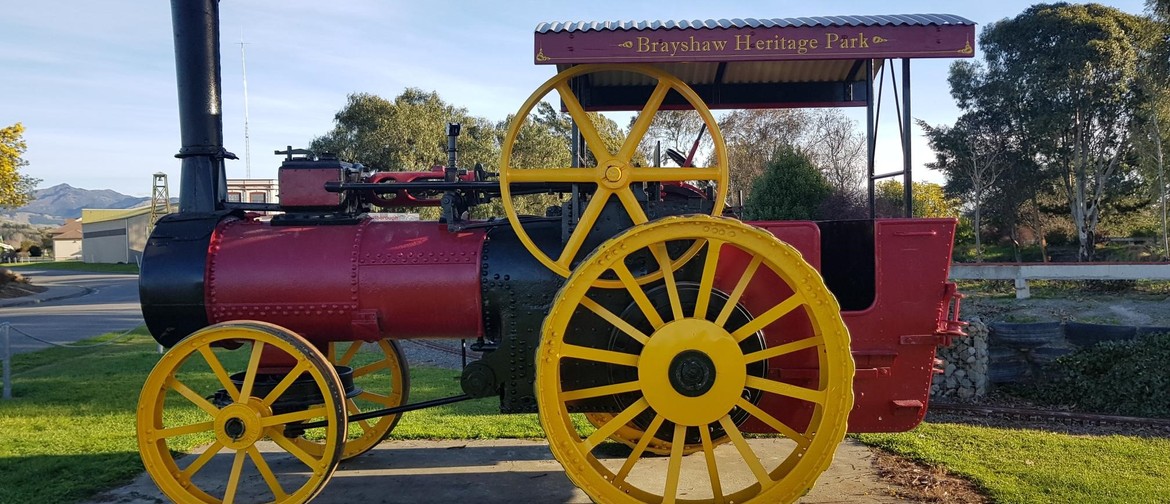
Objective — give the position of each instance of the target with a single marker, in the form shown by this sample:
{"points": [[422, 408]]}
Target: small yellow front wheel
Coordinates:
{"points": [[687, 363], [191, 402], [380, 371]]}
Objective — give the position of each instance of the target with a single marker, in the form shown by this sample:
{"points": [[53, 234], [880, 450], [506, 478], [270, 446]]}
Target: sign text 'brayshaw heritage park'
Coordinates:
{"points": [[747, 43]]}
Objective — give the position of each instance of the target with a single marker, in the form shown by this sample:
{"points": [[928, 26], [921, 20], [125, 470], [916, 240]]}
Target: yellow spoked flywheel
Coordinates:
{"points": [[741, 341], [193, 402], [614, 174], [380, 371]]}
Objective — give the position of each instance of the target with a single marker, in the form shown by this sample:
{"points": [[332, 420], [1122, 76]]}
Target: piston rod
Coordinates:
{"points": [[393, 411]]}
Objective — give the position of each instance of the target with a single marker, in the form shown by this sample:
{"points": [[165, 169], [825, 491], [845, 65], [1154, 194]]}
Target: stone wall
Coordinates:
{"points": [[1005, 353], [964, 365]]}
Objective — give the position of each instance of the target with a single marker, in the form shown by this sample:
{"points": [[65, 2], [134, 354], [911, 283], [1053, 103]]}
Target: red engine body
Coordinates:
{"points": [[376, 278], [894, 338], [368, 281]]}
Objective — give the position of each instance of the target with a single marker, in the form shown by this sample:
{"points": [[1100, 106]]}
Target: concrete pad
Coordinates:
{"points": [[508, 471]]}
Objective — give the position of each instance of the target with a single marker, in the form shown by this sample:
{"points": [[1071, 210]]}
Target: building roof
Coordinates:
{"points": [[819, 21], [71, 230], [748, 63], [93, 216]]}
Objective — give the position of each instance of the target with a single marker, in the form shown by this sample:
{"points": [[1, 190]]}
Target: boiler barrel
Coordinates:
{"points": [[364, 280]]}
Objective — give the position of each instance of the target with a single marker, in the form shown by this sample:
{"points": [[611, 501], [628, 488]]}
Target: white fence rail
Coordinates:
{"points": [[1022, 272]]}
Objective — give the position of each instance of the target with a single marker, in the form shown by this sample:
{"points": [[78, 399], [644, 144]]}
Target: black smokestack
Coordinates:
{"points": [[196, 25]]}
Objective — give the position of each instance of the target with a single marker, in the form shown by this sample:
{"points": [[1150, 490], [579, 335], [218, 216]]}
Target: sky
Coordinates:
{"points": [[94, 82]]}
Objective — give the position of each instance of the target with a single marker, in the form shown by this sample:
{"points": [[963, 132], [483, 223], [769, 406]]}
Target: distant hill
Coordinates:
{"points": [[53, 205]]}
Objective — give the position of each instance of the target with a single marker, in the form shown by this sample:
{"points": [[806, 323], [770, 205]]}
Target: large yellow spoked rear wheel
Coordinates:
{"points": [[631, 435], [614, 173], [191, 402], [380, 371], [693, 367]]}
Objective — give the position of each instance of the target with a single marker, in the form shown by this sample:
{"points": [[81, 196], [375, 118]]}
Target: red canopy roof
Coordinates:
{"points": [[745, 63]]}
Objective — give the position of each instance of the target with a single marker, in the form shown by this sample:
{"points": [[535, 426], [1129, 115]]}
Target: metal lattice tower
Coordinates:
{"points": [[160, 199]]}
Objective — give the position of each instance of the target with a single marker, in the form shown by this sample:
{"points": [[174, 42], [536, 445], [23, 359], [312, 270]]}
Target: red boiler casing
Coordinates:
{"points": [[367, 281]]}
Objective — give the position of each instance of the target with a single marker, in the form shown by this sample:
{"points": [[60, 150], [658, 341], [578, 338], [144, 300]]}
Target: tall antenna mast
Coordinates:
{"points": [[247, 138]]}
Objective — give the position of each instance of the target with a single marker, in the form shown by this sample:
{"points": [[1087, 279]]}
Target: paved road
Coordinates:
{"points": [[109, 302], [503, 471]]}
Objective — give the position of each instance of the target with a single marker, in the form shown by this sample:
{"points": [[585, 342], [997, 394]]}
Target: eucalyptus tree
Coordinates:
{"points": [[1156, 83], [970, 155], [674, 129], [754, 138], [408, 133], [1066, 78], [837, 146]]}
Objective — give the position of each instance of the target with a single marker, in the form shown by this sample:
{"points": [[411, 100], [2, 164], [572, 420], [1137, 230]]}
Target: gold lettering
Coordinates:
{"points": [[864, 41], [643, 44], [830, 39], [743, 42], [773, 43]]}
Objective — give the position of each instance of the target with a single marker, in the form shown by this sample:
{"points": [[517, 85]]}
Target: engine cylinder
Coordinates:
{"points": [[366, 280]]}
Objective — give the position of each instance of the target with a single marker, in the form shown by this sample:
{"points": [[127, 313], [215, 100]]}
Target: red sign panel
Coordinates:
{"points": [[755, 44]]}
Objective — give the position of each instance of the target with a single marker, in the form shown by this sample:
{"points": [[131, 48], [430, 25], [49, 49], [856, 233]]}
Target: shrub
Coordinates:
{"points": [[844, 206], [1115, 377], [1108, 286], [965, 231], [1057, 238], [790, 189], [1146, 231]]}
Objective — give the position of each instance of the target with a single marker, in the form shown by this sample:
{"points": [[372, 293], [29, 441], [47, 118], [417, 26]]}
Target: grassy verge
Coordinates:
{"points": [[71, 424], [1029, 466], [75, 266], [1068, 289], [71, 420]]}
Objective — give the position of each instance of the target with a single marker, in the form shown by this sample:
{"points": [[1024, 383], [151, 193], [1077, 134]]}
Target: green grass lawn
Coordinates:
{"points": [[1029, 466], [69, 433], [75, 266], [71, 420]]}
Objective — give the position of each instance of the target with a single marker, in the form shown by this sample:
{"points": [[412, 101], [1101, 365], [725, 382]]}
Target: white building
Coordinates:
{"points": [[67, 240], [252, 191], [114, 236]]}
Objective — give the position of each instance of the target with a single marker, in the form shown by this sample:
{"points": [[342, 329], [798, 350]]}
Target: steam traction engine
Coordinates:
{"points": [[626, 309]]}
